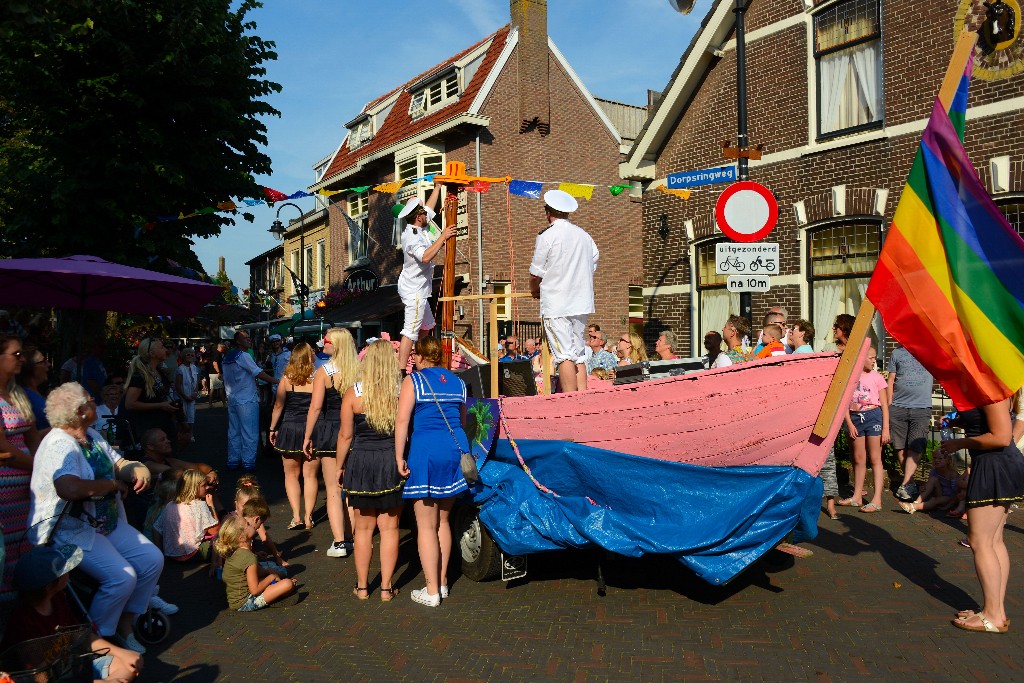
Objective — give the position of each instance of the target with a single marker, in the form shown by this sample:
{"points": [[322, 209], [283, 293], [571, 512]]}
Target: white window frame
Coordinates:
{"points": [[357, 208], [436, 94], [295, 269], [361, 133], [504, 303], [321, 263], [307, 272]]}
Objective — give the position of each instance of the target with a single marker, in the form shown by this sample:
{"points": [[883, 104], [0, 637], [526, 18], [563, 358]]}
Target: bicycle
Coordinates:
{"points": [[758, 263], [733, 263]]}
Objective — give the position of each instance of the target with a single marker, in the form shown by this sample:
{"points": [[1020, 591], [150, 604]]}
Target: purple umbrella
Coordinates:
{"points": [[89, 282]]}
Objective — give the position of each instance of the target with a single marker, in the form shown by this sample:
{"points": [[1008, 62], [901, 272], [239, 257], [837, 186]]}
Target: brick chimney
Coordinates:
{"points": [[530, 17]]}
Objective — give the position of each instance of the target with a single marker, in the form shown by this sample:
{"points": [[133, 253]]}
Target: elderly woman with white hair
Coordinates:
{"points": [[78, 482]]}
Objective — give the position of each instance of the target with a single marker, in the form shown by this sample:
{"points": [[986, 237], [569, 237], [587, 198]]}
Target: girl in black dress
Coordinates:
{"points": [[368, 472], [323, 422], [996, 481], [287, 432]]}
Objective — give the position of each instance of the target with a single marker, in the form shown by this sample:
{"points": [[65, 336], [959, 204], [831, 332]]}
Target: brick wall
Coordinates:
{"points": [[917, 45]]}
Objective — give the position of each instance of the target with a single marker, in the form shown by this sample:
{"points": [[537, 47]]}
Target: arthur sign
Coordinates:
{"points": [[746, 211], [361, 281]]}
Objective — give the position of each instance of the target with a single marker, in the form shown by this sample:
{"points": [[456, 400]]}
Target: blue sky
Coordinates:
{"points": [[336, 55]]}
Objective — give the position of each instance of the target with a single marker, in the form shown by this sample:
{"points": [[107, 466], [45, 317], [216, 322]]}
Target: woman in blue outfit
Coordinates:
{"points": [[433, 403]]}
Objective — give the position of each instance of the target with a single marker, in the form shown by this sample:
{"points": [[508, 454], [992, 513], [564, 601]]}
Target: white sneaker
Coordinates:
{"points": [[161, 605], [129, 642], [338, 549], [424, 598], [444, 592]]}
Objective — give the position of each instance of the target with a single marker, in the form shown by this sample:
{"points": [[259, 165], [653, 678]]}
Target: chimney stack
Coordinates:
{"points": [[530, 17], [220, 264]]}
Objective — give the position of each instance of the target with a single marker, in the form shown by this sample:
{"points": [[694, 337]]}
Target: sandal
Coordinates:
{"points": [[310, 524], [985, 626], [390, 592], [965, 614], [833, 517], [296, 524], [848, 503], [870, 507], [361, 593]]}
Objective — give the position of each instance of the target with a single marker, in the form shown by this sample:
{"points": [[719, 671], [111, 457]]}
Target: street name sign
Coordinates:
{"points": [[746, 211], [760, 258], [707, 176], [748, 283]]}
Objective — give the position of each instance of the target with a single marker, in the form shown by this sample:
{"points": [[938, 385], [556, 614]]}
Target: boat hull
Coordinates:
{"points": [[758, 413]]}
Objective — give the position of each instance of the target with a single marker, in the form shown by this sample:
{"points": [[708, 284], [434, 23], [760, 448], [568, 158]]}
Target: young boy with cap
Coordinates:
{"points": [[41, 575], [415, 284], [562, 277]]}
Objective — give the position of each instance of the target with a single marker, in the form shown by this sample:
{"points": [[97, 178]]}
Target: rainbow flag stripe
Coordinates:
{"points": [[949, 283]]}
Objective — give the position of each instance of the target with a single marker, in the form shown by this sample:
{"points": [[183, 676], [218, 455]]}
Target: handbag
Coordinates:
{"points": [[466, 460]]}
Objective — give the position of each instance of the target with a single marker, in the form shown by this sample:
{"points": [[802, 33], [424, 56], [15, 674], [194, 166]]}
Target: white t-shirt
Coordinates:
{"points": [[565, 257], [417, 276], [189, 377], [239, 372]]}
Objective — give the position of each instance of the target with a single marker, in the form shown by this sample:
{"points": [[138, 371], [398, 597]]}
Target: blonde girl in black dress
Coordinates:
{"points": [[323, 422], [367, 467], [287, 431]]}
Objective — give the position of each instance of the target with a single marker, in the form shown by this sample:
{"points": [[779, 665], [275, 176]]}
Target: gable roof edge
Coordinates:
{"points": [[718, 22], [511, 40], [583, 89], [390, 150]]}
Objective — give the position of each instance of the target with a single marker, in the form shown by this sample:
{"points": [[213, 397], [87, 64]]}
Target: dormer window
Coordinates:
{"points": [[435, 94], [361, 132]]}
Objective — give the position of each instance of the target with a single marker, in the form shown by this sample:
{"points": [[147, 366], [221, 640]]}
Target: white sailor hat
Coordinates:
{"points": [[560, 200], [409, 207]]}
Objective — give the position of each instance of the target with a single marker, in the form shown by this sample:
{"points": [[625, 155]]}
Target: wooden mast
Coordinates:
{"points": [[963, 51], [455, 180]]}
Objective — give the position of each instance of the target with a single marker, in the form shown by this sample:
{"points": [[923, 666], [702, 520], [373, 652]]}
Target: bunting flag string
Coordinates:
{"points": [[530, 189]]}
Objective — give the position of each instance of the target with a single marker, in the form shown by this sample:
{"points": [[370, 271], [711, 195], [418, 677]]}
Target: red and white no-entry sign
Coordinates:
{"points": [[746, 211]]}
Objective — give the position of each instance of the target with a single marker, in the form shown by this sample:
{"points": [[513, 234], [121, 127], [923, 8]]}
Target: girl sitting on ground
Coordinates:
{"points": [[248, 489], [187, 526], [248, 586], [941, 488], [164, 494]]}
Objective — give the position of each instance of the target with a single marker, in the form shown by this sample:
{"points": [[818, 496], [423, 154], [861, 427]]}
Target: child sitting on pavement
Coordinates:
{"points": [[249, 490], [941, 488], [771, 338], [248, 586], [41, 575], [187, 526]]}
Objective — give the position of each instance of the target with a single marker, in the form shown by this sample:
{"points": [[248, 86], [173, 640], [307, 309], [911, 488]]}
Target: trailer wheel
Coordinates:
{"points": [[481, 557]]}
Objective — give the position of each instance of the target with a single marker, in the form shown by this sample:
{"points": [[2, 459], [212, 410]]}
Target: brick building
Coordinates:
{"points": [[839, 92], [510, 105]]}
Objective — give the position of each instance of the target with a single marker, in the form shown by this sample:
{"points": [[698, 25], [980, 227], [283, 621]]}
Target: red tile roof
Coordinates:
{"points": [[399, 125]]}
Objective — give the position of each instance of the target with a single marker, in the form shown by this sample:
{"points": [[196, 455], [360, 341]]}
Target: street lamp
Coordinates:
{"points": [[277, 229]]}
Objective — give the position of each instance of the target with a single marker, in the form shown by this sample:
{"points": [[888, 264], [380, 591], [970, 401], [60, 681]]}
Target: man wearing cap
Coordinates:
{"points": [[415, 284], [278, 357], [562, 277]]}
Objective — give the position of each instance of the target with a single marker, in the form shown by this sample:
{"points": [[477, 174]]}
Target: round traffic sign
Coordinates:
{"points": [[746, 211]]}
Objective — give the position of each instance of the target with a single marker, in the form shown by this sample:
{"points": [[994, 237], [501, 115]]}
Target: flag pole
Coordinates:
{"points": [[963, 51]]}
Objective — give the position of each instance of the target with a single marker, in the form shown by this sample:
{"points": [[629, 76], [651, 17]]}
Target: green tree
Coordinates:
{"points": [[113, 112], [227, 296]]}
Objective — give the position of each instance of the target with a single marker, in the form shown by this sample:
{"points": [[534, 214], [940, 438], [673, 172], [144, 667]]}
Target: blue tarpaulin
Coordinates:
{"points": [[715, 520]]}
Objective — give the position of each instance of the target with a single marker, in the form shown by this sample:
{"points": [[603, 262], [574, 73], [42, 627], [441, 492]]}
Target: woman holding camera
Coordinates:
{"points": [[147, 400], [78, 483]]}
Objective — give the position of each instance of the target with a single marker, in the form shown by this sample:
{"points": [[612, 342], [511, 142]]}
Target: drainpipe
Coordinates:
{"points": [[479, 247]]}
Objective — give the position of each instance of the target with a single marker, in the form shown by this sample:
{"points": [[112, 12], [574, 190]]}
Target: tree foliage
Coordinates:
{"points": [[113, 112]]}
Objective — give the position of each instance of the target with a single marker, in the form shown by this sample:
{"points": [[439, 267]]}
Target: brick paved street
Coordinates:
{"points": [[873, 603]]}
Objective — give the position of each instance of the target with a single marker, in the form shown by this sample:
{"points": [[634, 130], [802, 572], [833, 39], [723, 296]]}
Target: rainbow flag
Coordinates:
{"points": [[949, 283]]}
